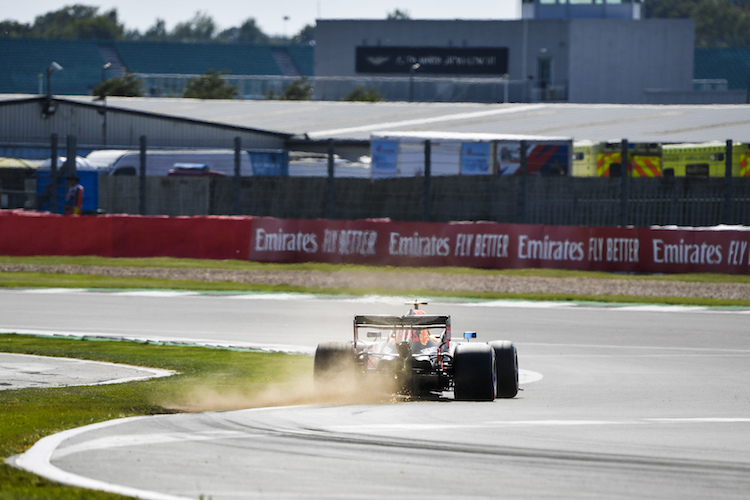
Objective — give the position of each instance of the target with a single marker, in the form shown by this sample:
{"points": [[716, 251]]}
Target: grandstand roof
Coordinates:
{"points": [[356, 120]]}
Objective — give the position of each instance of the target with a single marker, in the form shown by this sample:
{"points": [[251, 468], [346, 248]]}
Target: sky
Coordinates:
{"points": [[269, 14]]}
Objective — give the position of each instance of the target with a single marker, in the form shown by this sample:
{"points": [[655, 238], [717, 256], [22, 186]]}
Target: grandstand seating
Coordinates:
{"points": [[303, 57], [25, 59], [196, 59], [730, 64]]}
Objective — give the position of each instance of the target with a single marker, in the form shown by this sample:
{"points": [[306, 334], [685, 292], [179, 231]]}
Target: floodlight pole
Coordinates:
{"points": [[412, 69], [105, 68], [52, 67]]}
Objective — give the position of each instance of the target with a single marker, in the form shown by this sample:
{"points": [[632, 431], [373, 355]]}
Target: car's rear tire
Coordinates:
{"points": [[334, 363], [474, 372], [506, 367]]}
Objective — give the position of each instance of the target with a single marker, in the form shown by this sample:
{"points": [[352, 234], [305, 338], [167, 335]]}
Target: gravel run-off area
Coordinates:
{"points": [[396, 281]]}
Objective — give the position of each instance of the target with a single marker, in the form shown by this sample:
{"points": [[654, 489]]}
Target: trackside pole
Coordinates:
{"points": [[52, 188], [71, 145], [427, 179], [625, 174], [524, 184], [330, 203], [142, 178], [728, 219], [237, 178]]}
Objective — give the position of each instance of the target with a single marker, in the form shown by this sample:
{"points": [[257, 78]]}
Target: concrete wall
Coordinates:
{"points": [[618, 60], [698, 97]]}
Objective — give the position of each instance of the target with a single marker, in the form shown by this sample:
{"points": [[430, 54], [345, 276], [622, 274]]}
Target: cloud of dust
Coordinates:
{"points": [[351, 389]]}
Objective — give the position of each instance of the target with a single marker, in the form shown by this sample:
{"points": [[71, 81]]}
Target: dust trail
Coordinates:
{"points": [[300, 391]]}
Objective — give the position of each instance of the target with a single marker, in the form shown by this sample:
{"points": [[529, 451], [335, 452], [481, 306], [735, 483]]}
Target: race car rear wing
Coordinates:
{"points": [[384, 322], [389, 322]]}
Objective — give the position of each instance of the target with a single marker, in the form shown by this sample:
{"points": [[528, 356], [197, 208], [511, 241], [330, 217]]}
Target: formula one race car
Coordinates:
{"points": [[413, 356]]}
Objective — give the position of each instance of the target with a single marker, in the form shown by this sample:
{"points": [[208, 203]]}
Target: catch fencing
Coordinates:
{"points": [[602, 202]]}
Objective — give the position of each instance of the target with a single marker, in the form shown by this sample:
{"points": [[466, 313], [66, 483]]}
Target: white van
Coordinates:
{"points": [[159, 163]]}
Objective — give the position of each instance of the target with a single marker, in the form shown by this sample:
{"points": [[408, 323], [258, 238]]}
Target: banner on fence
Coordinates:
{"points": [[382, 242], [502, 246]]}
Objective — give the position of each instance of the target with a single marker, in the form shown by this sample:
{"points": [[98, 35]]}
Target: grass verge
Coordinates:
{"points": [[243, 265], [208, 378], [82, 280]]}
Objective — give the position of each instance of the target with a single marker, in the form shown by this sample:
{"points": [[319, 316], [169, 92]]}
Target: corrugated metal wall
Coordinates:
{"points": [[98, 127]]}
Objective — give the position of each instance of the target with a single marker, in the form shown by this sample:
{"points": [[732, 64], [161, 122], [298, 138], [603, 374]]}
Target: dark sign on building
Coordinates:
{"points": [[433, 60]]}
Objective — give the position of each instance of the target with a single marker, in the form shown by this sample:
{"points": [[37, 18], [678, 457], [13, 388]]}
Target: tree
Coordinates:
{"points": [[300, 89], [306, 36], [157, 32], [14, 29], [199, 29], [125, 86], [79, 21], [680, 9], [367, 95], [249, 32], [718, 23], [210, 85], [398, 15]]}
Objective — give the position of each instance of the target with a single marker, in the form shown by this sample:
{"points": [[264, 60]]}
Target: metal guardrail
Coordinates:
{"points": [[396, 88]]}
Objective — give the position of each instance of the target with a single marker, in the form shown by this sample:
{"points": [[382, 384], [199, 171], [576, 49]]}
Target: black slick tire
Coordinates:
{"points": [[506, 367], [474, 372], [334, 361]]}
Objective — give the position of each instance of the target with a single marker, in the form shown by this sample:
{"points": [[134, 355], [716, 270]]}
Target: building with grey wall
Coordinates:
{"points": [[578, 60], [28, 123]]}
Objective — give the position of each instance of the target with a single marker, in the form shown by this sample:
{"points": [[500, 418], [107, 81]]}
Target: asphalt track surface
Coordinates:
{"points": [[647, 402]]}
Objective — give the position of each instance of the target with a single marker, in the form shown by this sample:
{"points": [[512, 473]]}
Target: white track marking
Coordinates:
{"points": [[27, 370], [270, 296], [113, 442], [155, 293], [37, 460], [528, 376], [502, 303]]}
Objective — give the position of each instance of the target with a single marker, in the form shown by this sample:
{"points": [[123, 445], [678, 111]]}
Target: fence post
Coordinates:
{"points": [[53, 176], [427, 179], [330, 203], [69, 169], [728, 219], [237, 178], [524, 186], [625, 175], [142, 178], [70, 159]]}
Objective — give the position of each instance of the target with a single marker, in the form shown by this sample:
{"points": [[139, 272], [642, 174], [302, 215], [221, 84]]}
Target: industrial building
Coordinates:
{"points": [[559, 52]]}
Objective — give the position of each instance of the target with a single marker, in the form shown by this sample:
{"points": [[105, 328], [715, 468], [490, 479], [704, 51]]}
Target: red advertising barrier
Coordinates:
{"points": [[381, 242], [36, 233], [502, 246]]}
